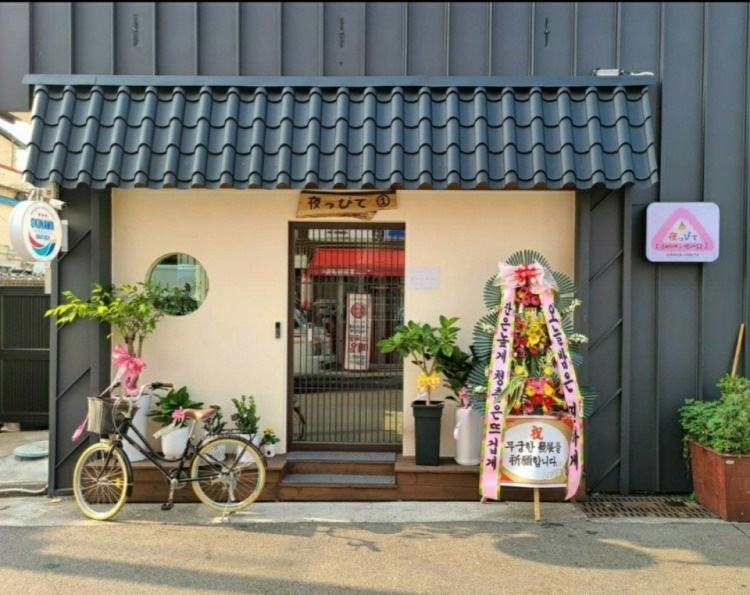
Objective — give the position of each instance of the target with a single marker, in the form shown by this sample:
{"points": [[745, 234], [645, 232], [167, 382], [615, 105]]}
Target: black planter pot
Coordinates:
{"points": [[427, 431]]}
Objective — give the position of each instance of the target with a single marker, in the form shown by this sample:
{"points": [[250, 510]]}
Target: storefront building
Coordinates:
{"points": [[492, 127]]}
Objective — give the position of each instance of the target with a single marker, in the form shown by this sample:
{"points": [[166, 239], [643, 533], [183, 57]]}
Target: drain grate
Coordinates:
{"points": [[616, 505]]}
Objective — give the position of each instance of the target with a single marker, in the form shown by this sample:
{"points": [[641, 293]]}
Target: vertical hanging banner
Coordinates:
{"points": [[358, 331], [533, 428]]}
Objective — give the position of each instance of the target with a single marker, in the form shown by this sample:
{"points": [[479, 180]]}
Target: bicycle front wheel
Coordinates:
{"points": [[100, 481], [228, 474]]}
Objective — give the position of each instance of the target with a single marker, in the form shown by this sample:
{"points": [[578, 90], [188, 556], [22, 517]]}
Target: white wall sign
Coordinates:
{"points": [[682, 232], [35, 230]]}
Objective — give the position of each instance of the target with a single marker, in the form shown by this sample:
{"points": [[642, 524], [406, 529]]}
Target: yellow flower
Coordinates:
{"points": [[428, 381], [518, 370], [548, 390]]}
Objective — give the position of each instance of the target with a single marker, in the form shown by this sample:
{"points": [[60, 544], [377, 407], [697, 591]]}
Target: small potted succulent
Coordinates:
{"points": [[268, 442]]}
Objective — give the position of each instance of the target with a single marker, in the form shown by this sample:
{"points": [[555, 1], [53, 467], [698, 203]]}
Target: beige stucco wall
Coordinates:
{"points": [[227, 347]]}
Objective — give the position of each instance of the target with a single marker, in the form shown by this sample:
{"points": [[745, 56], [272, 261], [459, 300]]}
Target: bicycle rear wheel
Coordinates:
{"points": [[228, 474], [100, 481]]}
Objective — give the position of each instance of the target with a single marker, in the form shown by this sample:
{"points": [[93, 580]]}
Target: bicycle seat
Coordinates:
{"points": [[200, 414]]}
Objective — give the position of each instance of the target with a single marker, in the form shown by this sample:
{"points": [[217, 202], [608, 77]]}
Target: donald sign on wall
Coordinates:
{"points": [[36, 231]]}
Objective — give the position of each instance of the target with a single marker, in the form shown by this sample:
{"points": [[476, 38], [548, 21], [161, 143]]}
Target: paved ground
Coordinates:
{"points": [[48, 546]]}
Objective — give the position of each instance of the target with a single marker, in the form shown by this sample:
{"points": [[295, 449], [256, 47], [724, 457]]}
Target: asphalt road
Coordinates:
{"points": [[47, 547]]}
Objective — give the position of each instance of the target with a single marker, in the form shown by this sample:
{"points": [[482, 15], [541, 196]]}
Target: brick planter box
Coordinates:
{"points": [[721, 482]]}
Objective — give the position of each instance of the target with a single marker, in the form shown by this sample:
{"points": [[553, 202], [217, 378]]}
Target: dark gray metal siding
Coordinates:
{"points": [[683, 317], [82, 365]]}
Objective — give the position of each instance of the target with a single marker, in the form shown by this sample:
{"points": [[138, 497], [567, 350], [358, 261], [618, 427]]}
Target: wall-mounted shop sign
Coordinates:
{"points": [[682, 232], [362, 204], [35, 230]]}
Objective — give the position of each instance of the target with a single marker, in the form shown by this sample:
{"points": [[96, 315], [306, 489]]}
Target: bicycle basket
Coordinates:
{"points": [[101, 418]]}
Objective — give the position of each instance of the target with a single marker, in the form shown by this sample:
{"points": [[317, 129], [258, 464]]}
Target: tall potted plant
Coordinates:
{"points": [[130, 311], [717, 446], [426, 345]]}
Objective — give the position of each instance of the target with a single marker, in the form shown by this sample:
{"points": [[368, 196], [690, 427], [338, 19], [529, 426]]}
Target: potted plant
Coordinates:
{"points": [[268, 442], [427, 346], [214, 426], [246, 417], [169, 414], [468, 429], [717, 446], [129, 309], [131, 313]]}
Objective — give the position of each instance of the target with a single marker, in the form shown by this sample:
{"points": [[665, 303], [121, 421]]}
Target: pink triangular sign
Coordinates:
{"points": [[684, 217]]}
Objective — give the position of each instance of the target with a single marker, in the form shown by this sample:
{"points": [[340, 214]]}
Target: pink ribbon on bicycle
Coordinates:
{"points": [[130, 367]]}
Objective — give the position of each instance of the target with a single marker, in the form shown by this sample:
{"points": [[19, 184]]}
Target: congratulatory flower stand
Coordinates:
{"points": [[534, 407]]}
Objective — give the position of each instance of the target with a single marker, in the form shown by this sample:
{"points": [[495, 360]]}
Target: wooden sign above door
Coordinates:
{"points": [[361, 204]]}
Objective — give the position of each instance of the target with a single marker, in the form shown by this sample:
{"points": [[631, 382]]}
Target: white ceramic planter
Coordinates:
{"points": [[269, 450], [468, 434], [218, 452], [255, 440], [173, 443], [139, 422]]}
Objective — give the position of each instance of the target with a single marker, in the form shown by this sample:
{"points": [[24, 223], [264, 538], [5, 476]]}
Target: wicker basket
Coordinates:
{"points": [[101, 419]]}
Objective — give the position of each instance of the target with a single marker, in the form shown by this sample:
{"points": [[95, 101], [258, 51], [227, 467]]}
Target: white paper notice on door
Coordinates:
{"points": [[422, 278]]}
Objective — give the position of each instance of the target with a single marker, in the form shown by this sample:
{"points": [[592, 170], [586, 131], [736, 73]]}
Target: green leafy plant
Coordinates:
{"points": [[269, 437], [722, 425], [455, 369], [216, 423], [129, 309], [172, 401], [429, 347], [176, 301], [246, 417]]}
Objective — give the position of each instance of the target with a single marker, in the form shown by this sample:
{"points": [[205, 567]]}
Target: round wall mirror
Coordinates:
{"points": [[184, 283]]}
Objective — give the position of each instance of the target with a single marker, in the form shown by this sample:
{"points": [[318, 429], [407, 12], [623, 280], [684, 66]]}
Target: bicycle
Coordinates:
{"points": [[103, 474]]}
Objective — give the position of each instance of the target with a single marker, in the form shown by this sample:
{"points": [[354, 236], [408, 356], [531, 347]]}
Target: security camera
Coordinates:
{"points": [[57, 204]]}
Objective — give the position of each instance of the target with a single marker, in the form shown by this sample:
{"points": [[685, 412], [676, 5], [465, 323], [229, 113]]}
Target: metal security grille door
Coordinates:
{"points": [[24, 355], [348, 285]]}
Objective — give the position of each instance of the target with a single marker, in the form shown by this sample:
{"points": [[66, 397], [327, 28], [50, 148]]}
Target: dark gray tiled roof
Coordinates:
{"points": [[367, 136]]}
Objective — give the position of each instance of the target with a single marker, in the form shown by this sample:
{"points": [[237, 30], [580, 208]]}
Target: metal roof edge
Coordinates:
{"points": [[90, 80]]}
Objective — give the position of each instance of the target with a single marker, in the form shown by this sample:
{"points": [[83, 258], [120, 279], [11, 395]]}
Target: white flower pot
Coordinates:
{"points": [[218, 452], [255, 439], [269, 450], [468, 435], [139, 422], [173, 443]]}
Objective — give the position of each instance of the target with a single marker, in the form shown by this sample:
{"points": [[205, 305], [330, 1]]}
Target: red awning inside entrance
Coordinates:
{"points": [[359, 262]]}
